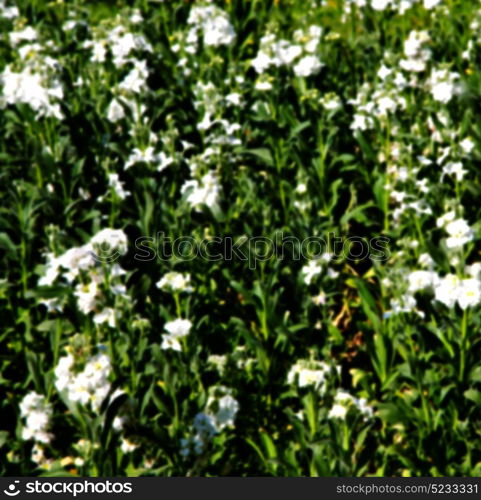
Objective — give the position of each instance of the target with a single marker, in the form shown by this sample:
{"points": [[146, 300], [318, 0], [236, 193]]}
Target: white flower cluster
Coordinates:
{"points": [[380, 100], [36, 412], [417, 55], [210, 104], [148, 155], [408, 192], [299, 54], [306, 373], [205, 191], [211, 22], [343, 402], [221, 410], [36, 82], [449, 289], [458, 230], [89, 386], [444, 85], [82, 264], [386, 96], [400, 6], [121, 44], [176, 330], [205, 186], [8, 12], [175, 282]]}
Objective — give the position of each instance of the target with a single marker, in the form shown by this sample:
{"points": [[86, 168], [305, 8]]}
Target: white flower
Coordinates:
{"points": [[218, 31], [301, 188], [115, 239], [364, 408], [163, 161], [330, 101], [146, 155], [176, 282], [86, 296], [314, 36], [285, 53], [178, 328], [263, 85], [76, 259], [214, 23], [429, 4], [63, 372], [361, 122], [8, 12], [233, 98], [99, 52], [311, 377], [459, 233], [136, 80], [78, 390], [261, 62], [443, 91], [413, 44], [228, 408], [136, 17], [118, 423], [419, 280], [89, 386], [384, 72], [107, 315], [467, 145], [115, 111], [456, 169], [380, 4], [205, 192], [474, 270], [29, 88], [443, 85], [307, 66], [27, 34], [170, 342], [446, 290], [469, 293], [117, 186], [343, 401], [338, 411], [445, 219], [405, 304], [127, 446], [37, 412], [309, 373], [313, 268], [425, 260], [218, 361]]}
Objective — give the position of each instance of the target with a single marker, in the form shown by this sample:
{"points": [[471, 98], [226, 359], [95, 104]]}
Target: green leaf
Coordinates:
{"points": [[262, 153], [473, 395]]}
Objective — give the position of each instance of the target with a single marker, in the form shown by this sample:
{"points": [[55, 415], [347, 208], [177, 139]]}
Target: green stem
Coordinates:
{"points": [[463, 346]]}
